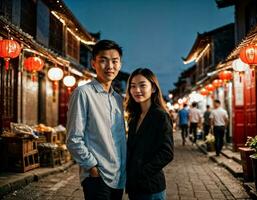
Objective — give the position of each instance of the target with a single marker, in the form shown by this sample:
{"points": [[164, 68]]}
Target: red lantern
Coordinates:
{"points": [[209, 87], [217, 83], [9, 49], [33, 64], [204, 92], [248, 54], [225, 75]]}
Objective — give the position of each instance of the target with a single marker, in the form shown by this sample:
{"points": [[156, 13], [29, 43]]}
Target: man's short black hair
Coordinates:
{"points": [[217, 101], [208, 106], [103, 45], [185, 105], [194, 104]]}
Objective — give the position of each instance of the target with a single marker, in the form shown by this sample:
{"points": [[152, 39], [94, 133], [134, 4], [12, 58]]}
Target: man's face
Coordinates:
{"points": [[107, 64], [216, 105]]}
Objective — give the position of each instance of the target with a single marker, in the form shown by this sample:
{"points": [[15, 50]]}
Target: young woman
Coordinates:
{"points": [[150, 140]]}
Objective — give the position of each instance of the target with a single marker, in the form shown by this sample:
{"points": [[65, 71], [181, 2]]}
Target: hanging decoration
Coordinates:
{"points": [[55, 74], [225, 76], [69, 81], [210, 87], [204, 92], [33, 65], [239, 66], [248, 54], [9, 49], [217, 83]]}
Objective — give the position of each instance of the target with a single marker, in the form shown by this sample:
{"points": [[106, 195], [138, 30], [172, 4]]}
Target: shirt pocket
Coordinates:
{"points": [[118, 129]]}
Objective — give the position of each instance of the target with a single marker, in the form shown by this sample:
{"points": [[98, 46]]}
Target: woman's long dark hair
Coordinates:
{"points": [[131, 106]]}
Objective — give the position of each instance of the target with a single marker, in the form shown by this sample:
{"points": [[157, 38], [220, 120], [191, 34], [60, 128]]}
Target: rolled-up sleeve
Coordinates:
{"points": [[76, 124]]}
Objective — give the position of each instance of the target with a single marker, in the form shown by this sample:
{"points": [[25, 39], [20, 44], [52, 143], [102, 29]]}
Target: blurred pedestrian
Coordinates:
{"points": [[219, 120], [150, 139], [206, 121], [95, 128], [195, 120], [174, 117], [183, 123]]}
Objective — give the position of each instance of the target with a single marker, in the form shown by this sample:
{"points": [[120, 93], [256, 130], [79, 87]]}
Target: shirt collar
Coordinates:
{"points": [[99, 88]]}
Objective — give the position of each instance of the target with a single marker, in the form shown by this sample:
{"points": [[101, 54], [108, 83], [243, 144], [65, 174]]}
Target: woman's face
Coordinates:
{"points": [[141, 89]]}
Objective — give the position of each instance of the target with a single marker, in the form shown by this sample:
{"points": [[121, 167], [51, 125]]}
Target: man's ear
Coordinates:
{"points": [[92, 61]]}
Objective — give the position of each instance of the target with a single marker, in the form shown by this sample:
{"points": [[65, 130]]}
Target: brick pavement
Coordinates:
{"points": [[190, 176]]}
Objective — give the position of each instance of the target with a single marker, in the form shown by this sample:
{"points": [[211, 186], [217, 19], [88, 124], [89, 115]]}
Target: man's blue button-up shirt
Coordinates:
{"points": [[96, 133]]}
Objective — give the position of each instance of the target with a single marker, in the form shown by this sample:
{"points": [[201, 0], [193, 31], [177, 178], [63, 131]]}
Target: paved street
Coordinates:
{"points": [[190, 176]]}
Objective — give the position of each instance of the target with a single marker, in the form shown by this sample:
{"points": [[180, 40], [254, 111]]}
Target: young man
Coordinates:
{"points": [[183, 123], [206, 122], [96, 132], [219, 120], [195, 120]]}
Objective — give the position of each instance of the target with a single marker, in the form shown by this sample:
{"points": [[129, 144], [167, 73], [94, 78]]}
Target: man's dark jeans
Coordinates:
{"points": [[219, 132], [206, 130], [184, 132], [95, 189], [193, 129]]}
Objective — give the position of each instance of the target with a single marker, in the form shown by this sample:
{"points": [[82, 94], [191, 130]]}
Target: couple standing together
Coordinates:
{"points": [[96, 132]]}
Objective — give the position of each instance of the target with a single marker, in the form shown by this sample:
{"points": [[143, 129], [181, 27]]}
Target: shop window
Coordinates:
{"points": [[56, 35], [42, 23], [72, 46], [28, 17]]}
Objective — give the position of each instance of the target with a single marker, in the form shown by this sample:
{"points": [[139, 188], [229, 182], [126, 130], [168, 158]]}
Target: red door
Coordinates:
{"points": [[238, 113], [250, 103]]}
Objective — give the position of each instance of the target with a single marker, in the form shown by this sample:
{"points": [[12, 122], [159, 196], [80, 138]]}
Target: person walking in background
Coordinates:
{"points": [[150, 138], [195, 120], [206, 121], [183, 115], [219, 121], [174, 117], [95, 128]]}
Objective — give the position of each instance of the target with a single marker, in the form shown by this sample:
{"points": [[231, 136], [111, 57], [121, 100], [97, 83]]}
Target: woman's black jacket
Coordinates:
{"points": [[148, 151]]}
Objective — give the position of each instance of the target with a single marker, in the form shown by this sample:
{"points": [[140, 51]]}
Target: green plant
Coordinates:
{"points": [[210, 138], [252, 143]]}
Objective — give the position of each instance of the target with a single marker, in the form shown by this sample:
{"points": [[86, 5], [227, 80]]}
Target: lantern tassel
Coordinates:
{"points": [[69, 90], [7, 64]]}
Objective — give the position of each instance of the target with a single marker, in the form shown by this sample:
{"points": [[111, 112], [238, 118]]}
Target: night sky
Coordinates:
{"points": [[153, 33]]}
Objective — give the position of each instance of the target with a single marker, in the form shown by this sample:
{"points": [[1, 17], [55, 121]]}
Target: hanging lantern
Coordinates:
{"points": [[33, 64], [225, 76], [55, 74], [69, 81], [180, 101], [9, 49], [210, 87], [217, 83], [176, 106], [204, 92], [239, 66], [248, 54]]}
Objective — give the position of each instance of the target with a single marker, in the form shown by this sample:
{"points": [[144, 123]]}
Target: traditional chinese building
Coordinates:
{"points": [[48, 30], [245, 82]]}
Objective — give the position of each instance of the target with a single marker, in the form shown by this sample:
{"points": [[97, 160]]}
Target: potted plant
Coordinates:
{"points": [[210, 139], [252, 143]]}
